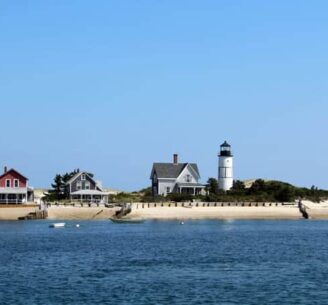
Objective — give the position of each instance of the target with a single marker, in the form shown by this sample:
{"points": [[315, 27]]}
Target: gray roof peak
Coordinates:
{"points": [[171, 170]]}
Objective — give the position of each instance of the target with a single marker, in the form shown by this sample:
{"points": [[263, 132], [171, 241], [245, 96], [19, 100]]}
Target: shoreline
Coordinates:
{"points": [[169, 211], [220, 213]]}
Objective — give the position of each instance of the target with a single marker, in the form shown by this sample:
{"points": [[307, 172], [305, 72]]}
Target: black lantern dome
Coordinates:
{"points": [[225, 150]]}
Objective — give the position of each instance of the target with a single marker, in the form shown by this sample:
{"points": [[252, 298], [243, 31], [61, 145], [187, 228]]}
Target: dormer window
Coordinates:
{"points": [[83, 177], [8, 183], [16, 183]]}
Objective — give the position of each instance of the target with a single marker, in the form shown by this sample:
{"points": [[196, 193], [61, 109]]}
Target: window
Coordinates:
{"points": [[87, 185], [188, 178], [16, 183], [8, 183], [168, 190], [78, 185], [83, 177]]}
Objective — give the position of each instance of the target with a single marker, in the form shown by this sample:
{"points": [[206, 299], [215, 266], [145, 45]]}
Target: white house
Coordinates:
{"points": [[182, 178]]}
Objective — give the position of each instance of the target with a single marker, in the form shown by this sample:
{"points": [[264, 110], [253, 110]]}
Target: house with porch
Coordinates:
{"points": [[84, 188], [14, 188], [175, 177]]}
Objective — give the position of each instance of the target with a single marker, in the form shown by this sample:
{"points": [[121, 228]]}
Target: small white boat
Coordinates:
{"points": [[57, 225]]}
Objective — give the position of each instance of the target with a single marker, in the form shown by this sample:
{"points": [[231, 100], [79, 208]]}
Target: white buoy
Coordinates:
{"points": [[77, 225], [181, 223]]}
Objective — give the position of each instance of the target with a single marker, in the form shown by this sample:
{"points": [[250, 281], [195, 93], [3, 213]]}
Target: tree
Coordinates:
{"points": [[258, 186], [212, 186], [238, 185], [58, 189], [315, 194], [67, 176], [285, 194]]}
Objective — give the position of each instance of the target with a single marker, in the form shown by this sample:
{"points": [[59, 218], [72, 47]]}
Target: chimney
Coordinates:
{"points": [[175, 159], [5, 169]]}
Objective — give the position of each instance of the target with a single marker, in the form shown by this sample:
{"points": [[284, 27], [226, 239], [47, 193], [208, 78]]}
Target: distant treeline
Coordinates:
{"points": [[263, 191]]}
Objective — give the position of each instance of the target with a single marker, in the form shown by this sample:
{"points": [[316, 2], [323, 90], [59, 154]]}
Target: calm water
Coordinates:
{"points": [[201, 262]]}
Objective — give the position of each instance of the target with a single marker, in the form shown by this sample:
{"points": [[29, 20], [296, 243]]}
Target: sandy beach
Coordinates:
{"points": [[151, 211], [80, 213], [315, 211], [216, 213], [15, 211]]}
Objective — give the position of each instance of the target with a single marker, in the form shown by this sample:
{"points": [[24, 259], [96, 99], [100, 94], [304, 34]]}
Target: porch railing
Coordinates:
{"points": [[11, 201]]}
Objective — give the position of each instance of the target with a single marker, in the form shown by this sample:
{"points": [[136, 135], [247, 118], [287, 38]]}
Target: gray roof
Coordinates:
{"points": [[75, 176], [85, 173], [171, 170]]}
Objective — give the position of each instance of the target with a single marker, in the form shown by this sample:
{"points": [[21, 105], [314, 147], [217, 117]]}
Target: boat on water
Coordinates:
{"points": [[57, 225], [127, 220]]}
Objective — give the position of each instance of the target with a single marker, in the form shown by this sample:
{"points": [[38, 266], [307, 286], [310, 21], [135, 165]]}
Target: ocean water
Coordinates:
{"points": [[163, 262]]}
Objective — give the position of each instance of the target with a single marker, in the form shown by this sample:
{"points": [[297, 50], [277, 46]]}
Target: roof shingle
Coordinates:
{"points": [[171, 170]]}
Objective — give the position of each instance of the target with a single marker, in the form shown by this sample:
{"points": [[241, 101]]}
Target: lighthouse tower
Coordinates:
{"points": [[225, 167]]}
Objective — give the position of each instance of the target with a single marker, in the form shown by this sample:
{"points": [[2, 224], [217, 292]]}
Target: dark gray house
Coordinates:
{"points": [[182, 178], [84, 188]]}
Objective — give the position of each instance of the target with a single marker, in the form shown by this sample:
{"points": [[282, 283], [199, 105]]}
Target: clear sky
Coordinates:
{"points": [[113, 86]]}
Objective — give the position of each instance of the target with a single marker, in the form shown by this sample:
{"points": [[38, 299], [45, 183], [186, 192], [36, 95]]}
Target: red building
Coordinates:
{"points": [[14, 188]]}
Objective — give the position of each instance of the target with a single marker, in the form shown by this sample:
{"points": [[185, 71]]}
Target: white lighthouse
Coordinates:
{"points": [[225, 167]]}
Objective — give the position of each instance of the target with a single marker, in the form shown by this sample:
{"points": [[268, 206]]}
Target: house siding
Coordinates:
{"points": [[164, 184], [183, 176], [11, 175], [73, 184]]}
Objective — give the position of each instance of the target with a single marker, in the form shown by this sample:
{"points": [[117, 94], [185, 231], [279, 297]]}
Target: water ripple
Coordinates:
{"points": [[254, 262]]}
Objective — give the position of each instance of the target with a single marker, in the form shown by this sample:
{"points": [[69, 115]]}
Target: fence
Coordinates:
{"points": [[142, 205]]}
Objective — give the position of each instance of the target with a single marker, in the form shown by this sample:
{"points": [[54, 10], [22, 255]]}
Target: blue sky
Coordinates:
{"points": [[112, 86]]}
